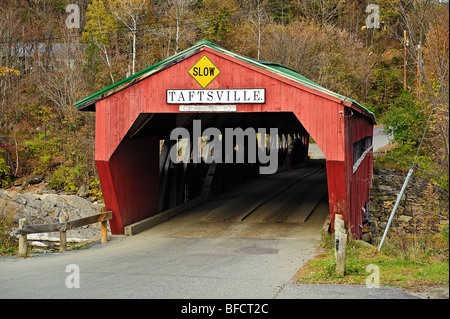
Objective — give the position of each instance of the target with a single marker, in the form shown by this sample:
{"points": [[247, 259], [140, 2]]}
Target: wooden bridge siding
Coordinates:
{"points": [[337, 190], [318, 113], [358, 183], [130, 181], [109, 195], [114, 117], [315, 112], [116, 114]]}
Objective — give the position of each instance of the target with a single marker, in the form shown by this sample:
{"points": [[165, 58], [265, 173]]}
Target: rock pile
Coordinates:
{"points": [[44, 206]]}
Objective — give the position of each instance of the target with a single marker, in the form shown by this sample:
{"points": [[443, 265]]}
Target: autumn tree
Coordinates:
{"points": [[216, 24], [180, 10], [130, 13], [5, 70], [10, 62], [100, 25], [426, 25], [62, 82], [436, 92], [331, 57], [259, 19], [175, 25], [325, 12]]}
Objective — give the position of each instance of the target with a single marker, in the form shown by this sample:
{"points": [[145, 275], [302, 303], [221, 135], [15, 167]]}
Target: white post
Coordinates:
{"points": [[340, 243]]}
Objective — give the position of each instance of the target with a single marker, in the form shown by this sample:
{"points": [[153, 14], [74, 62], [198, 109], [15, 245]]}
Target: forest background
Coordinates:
{"points": [[45, 67]]}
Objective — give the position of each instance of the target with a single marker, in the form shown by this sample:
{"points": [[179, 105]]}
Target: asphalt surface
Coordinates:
{"points": [[212, 251], [380, 139], [154, 264], [328, 291], [195, 255], [175, 261]]}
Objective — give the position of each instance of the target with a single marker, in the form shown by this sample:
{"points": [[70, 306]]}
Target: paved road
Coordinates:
{"points": [[173, 260], [329, 291], [380, 139], [165, 262], [187, 257], [182, 258], [212, 251]]}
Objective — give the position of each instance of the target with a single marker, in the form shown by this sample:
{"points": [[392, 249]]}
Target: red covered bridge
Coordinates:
{"points": [[135, 117]]}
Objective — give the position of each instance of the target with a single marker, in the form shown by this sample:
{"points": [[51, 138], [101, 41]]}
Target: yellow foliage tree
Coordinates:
{"points": [[5, 70]]}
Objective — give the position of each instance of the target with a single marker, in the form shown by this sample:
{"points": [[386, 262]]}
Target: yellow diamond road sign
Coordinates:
{"points": [[204, 71]]}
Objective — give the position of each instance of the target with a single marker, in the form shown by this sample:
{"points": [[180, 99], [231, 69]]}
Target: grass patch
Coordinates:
{"points": [[411, 266]]}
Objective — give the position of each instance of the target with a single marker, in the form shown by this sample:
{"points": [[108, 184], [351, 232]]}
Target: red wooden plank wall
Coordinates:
{"points": [[358, 183], [337, 192], [320, 114], [130, 181]]}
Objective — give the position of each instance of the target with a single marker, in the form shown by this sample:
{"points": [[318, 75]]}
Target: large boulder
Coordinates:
{"points": [[44, 208]]}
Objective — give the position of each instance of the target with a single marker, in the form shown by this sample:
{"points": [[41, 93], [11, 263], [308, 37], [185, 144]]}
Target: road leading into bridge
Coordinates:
{"points": [[245, 244], [230, 247]]}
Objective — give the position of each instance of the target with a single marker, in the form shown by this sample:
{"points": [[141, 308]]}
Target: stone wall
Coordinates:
{"points": [[422, 209]]}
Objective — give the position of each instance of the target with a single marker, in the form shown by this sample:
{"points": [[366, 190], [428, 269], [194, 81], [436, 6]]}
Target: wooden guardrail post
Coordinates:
{"points": [[340, 239], [22, 239], [104, 227], [62, 235]]}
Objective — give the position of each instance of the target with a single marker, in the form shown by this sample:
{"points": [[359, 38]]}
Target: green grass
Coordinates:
{"points": [[404, 269], [8, 244]]}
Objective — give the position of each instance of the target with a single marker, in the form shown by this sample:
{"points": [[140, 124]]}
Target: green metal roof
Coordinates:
{"points": [[269, 66]]}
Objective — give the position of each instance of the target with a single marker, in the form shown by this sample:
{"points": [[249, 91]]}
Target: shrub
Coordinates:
{"points": [[407, 118], [8, 244], [95, 189], [67, 178], [5, 178]]}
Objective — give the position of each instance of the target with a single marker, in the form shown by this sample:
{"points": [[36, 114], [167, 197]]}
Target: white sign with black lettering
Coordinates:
{"points": [[208, 108], [216, 96]]}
